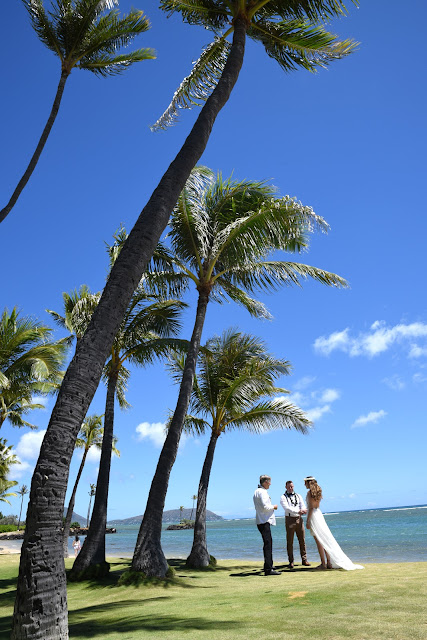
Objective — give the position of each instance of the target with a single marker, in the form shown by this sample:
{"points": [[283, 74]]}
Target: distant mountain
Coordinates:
{"points": [[76, 518], [171, 516]]}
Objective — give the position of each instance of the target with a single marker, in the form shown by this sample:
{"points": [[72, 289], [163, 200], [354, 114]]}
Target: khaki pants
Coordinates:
{"points": [[295, 525]]}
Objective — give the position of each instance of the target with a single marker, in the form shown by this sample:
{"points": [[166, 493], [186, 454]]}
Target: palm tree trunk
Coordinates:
{"points": [[36, 155], [20, 512], [93, 550], [148, 555], [41, 601], [199, 556], [70, 509]]}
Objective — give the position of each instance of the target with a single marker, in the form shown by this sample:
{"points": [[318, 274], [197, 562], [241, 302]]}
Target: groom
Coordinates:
{"points": [[294, 507]]}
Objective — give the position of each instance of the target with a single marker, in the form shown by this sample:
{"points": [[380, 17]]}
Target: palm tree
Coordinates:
{"points": [[233, 391], [85, 370], [92, 493], [194, 498], [7, 458], [79, 306], [30, 363], [181, 509], [23, 490], [5, 485], [90, 434], [144, 336], [222, 235], [83, 36]]}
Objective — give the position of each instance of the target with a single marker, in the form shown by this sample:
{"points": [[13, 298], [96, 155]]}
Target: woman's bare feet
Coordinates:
{"points": [[322, 567], [329, 566]]}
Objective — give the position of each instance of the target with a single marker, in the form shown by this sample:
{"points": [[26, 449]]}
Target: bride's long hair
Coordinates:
{"points": [[315, 490]]}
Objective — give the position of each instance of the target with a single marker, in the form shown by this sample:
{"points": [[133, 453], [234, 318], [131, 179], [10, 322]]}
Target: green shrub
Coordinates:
{"points": [[75, 525], [6, 528]]}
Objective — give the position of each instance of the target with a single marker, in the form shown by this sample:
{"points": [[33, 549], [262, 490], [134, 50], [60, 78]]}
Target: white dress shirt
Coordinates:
{"points": [[290, 509], [263, 507]]}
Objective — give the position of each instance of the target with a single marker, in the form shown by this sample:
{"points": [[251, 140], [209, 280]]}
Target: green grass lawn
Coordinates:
{"points": [[384, 601]]}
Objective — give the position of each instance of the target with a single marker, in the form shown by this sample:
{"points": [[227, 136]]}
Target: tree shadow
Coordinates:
{"points": [[8, 583], [89, 623]]}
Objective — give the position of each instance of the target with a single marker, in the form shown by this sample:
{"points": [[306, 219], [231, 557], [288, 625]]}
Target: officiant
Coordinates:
{"points": [[294, 507]]}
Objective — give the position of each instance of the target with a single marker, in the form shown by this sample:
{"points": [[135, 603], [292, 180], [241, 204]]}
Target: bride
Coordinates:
{"points": [[331, 554]]}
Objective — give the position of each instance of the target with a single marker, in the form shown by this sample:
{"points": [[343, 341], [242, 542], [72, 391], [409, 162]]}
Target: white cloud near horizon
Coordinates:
{"points": [[378, 339], [373, 416]]}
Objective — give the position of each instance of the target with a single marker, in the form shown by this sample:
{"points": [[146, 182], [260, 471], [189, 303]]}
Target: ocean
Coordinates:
{"points": [[396, 534]]}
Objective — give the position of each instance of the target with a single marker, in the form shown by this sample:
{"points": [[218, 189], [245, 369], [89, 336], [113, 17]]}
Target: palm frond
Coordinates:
{"points": [[313, 10], [295, 44], [271, 415], [206, 13], [105, 65], [271, 275], [199, 84], [256, 308]]}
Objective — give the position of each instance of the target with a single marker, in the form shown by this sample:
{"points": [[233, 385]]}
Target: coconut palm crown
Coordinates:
{"points": [[83, 36], [224, 232], [291, 31], [234, 389], [30, 365]]}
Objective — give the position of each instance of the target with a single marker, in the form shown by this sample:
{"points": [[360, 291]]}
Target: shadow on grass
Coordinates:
{"points": [[8, 583], [93, 621]]}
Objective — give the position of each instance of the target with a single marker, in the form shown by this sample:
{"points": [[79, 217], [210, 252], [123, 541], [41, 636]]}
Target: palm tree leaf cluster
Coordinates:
{"points": [[223, 233], [292, 32], [82, 35], [30, 365], [233, 388]]}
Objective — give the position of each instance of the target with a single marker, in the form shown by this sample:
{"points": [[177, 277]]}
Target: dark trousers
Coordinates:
{"points": [[265, 531], [295, 525]]}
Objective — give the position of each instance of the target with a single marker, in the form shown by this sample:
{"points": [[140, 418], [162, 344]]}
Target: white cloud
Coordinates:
{"points": [[395, 383], [29, 445], [40, 400], [379, 339], [329, 395], [315, 403], [94, 455], [317, 412], [337, 340], [154, 431], [304, 382], [373, 416], [417, 352], [418, 378]]}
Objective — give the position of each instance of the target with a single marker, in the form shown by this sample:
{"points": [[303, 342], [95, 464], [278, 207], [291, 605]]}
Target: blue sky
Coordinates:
{"points": [[348, 141]]}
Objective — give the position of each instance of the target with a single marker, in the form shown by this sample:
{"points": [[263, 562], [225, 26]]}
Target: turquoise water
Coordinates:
{"points": [[379, 535]]}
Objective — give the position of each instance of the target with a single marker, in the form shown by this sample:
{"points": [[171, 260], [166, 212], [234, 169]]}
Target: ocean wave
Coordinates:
{"points": [[405, 508]]}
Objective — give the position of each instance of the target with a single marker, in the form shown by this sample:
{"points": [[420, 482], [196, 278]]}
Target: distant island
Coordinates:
{"points": [[171, 516]]}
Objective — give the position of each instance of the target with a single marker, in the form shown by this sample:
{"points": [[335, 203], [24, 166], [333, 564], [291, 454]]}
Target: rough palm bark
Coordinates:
{"points": [[199, 556], [41, 602], [93, 550], [69, 515], [148, 556], [36, 155]]}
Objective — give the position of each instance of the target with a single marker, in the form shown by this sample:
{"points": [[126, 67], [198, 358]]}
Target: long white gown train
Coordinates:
{"points": [[320, 530]]}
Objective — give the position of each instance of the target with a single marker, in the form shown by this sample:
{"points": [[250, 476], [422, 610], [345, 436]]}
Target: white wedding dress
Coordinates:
{"points": [[320, 530]]}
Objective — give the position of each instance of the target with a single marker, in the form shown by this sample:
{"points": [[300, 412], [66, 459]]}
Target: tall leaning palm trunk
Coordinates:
{"points": [[93, 551], [199, 556], [40, 146], [41, 613], [148, 555]]}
